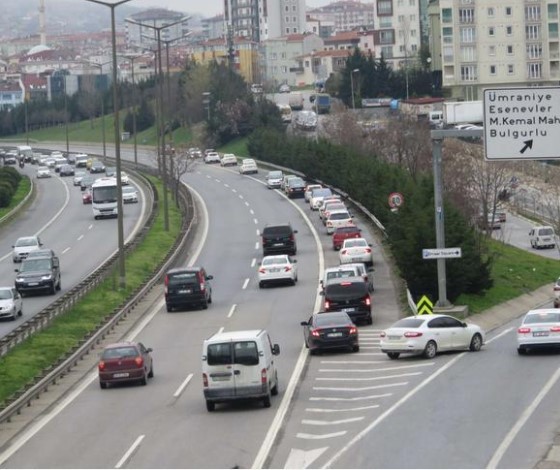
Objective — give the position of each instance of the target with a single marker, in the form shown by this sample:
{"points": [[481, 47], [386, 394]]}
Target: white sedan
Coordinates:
{"points": [[248, 165], [308, 189], [129, 194], [540, 329], [356, 250], [228, 159], [11, 304], [43, 172], [277, 269], [339, 218], [428, 334], [212, 157]]}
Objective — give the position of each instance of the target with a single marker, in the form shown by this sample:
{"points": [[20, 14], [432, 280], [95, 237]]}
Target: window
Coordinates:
{"points": [[534, 70], [386, 22], [387, 52], [553, 30], [509, 49], [491, 31], [532, 32], [492, 70], [287, 30], [466, 15], [533, 13], [287, 19], [446, 15], [491, 50], [294, 19], [509, 30], [294, 8], [287, 8], [384, 7], [534, 51], [386, 37], [552, 11], [491, 12], [468, 35], [468, 54], [508, 11], [412, 3], [447, 35], [510, 69], [448, 53], [401, 18], [468, 73]]}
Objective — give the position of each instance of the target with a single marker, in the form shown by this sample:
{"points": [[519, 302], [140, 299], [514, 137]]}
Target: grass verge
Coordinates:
{"points": [[30, 358], [237, 146], [22, 191], [515, 272]]}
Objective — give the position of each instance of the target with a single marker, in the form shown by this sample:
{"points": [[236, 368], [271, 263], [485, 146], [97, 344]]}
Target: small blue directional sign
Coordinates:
{"points": [[435, 253]]}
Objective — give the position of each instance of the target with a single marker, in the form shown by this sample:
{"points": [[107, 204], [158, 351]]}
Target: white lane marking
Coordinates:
{"points": [[369, 347], [208, 176], [511, 435], [303, 458], [183, 386], [343, 410], [353, 362], [295, 378], [316, 422], [390, 410], [383, 369], [258, 233], [66, 250], [226, 185], [257, 246], [367, 379], [505, 332], [217, 180], [251, 211], [253, 262], [369, 354], [53, 218], [256, 221], [234, 190], [369, 341], [370, 397], [130, 451], [302, 435], [241, 196], [80, 237], [221, 330], [360, 389], [90, 227], [246, 283], [231, 310]]}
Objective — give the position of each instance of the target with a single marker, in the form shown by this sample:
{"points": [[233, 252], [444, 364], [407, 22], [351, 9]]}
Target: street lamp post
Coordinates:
{"points": [[66, 116], [206, 102], [158, 30], [132, 58], [26, 121], [120, 227], [352, 87], [102, 109]]}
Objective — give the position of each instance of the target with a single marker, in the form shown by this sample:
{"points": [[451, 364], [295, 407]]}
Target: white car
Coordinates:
{"points": [[356, 250], [336, 219], [330, 205], [212, 157], [228, 159], [23, 246], [274, 179], [276, 269], [540, 329], [43, 172], [308, 189], [317, 196], [344, 270], [429, 334], [129, 195], [78, 177], [248, 165], [11, 304], [124, 178]]}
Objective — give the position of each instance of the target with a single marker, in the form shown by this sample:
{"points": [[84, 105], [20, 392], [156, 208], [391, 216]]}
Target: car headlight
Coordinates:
{"points": [[48, 277], [20, 279]]}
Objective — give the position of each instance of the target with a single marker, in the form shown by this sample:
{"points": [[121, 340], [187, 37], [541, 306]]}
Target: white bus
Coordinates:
{"points": [[104, 198]]}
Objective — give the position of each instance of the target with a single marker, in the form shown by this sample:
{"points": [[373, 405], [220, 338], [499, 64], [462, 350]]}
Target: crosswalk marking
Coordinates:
{"points": [[358, 379], [383, 369], [360, 389], [315, 422], [344, 410], [370, 397], [303, 435]]}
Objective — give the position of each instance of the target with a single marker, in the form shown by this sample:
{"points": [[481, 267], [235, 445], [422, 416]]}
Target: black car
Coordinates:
{"points": [[39, 273], [87, 181], [295, 188], [66, 170], [350, 295], [330, 330], [186, 287], [97, 167], [279, 239]]}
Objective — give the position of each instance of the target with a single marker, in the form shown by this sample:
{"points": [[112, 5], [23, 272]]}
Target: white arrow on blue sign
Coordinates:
{"points": [[435, 253]]}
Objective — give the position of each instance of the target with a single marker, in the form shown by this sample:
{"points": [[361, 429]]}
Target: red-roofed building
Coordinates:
{"points": [[35, 86], [364, 40]]}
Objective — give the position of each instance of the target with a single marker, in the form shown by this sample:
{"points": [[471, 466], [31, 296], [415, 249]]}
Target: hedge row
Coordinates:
{"points": [[9, 182]]}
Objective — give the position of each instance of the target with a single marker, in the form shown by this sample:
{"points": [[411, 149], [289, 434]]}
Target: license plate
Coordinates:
{"points": [[32, 283], [221, 378], [185, 291], [274, 270], [356, 260], [394, 337], [540, 333], [348, 309], [334, 335], [278, 244], [120, 375]]}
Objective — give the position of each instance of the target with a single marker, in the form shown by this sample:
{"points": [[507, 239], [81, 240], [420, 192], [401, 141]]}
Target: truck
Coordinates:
{"points": [[322, 103], [25, 153], [463, 112], [296, 101]]}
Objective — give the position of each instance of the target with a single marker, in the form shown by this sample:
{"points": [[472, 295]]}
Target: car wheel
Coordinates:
{"points": [[266, 401], [393, 355], [53, 288], [261, 284], [20, 313], [204, 304], [168, 307], [356, 348], [369, 320], [210, 405], [59, 286], [144, 379], [151, 373], [430, 350], [210, 299], [521, 351], [103, 385], [274, 390], [476, 343]]}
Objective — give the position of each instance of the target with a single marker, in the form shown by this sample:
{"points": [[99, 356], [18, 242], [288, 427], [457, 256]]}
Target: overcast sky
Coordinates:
{"points": [[205, 7]]}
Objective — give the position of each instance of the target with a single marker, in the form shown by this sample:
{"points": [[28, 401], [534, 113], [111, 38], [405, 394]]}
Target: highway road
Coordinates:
{"points": [[66, 225]]}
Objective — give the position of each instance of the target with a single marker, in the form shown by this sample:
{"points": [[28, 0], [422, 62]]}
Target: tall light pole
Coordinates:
{"points": [[206, 102], [352, 87], [158, 30], [65, 113], [26, 119], [102, 108], [120, 228]]}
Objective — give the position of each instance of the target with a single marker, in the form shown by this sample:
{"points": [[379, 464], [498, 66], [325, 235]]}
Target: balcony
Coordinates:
{"points": [[296, 69]]}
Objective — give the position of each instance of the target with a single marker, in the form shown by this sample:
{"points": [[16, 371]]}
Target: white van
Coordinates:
{"points": [[542, 237], [238, 365]]}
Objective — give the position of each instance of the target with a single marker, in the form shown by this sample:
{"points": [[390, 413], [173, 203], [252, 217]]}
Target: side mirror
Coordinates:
{"points": [[304, 323], [149, 350], [294, 261], [295, 231], [464, 324], [209, 277], [16, 270], [370, 244], [275, 350], [322, 292]]}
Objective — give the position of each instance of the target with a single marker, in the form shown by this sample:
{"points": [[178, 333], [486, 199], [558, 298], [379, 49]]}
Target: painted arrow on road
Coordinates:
{"points": [[528, 145], [303, 458]]}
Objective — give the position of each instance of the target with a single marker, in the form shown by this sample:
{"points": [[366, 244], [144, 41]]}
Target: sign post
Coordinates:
{"points": [[521, 123], [437, 253]]}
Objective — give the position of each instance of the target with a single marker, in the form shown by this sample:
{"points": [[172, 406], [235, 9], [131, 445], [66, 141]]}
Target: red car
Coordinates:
{"points": [[342, 233], [86, 197], [125, 362]]}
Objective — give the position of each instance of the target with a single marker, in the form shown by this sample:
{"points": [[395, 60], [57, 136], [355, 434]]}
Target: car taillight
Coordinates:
{"points": [[292, 237], [139, 361], [262, 270], [412, 334], [204, 380], [367, 300], [287, 269], [555, 329], [368, 250], [556, 288], [101, 365], [344, 252], [316, 333], [524, 330], [329, 223], [382, 334], [327, 305], [353, 330], [264, 378]]}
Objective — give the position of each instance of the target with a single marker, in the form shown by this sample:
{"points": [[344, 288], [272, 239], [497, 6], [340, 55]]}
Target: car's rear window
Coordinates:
{"points": [[183, 277], [545, 317], [321, 192], [408, 323], [546, 231], [114, 353], [326, 319], [277, 231], [270, 260], [339, 216], [347, 230], [354, 242], [344, 289], [239, 352], [341, 273]]}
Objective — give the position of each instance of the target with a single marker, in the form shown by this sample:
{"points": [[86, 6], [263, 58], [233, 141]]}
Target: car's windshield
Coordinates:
{"points": [[275, 174], [5, 294], [35, 264], [26, 242]]}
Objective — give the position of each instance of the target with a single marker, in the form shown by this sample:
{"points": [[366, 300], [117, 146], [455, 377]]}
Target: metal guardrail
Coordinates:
{"points": [[24, 397]]}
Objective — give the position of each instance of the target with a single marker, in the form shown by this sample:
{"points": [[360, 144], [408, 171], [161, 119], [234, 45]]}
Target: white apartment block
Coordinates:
{"points": [[397, 31], [242, 16], [346, 14], [506, 43], [281, 17]]}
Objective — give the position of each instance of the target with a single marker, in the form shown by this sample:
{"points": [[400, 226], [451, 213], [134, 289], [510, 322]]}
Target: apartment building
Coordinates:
{"points": [[346, 14], [485, 44], [213, 27], [281, 18], [363, 40]]}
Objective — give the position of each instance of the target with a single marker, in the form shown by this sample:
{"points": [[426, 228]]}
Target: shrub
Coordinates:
{"points": [[6, 193]]}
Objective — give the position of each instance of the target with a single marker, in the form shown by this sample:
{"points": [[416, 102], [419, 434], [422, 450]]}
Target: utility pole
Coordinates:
{"points": [[230, 47]]}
